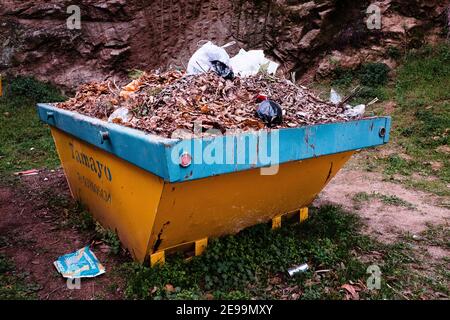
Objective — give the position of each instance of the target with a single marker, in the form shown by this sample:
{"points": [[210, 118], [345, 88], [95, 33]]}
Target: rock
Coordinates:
{"points": [[397, 25], [339, 59], [391, 63], [347, 61], [117, 35], [325, 67], [303, 10], [307, 40]]}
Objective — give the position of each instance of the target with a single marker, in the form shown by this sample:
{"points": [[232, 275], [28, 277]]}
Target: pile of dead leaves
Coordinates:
{"points": [[162, 103]]}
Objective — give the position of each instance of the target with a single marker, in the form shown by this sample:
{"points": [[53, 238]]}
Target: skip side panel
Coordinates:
{"points": [[228, 203], [121, 196]]}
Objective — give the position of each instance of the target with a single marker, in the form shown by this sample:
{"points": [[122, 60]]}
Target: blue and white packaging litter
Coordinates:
{"points": [[79, 264]]}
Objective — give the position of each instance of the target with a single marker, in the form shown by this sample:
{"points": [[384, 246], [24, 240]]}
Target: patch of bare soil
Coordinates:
{"points": [[35, 236], [387, 222]]}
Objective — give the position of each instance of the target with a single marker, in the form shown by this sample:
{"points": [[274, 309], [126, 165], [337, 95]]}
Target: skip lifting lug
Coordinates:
{"points": [[50, 115], [104, 136]]}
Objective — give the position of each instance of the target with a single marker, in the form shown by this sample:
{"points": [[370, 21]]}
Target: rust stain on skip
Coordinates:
{"points": [[329, 173], [159, 240]]}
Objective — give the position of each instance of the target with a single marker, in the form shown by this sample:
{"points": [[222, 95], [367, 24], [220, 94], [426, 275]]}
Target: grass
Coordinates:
{"points": [[437, 235], [25, 143], [253, 264], [436, 274], [76, 216], [421, 118], [371, 77], [108, 237], [361, 198], [14, 285]]}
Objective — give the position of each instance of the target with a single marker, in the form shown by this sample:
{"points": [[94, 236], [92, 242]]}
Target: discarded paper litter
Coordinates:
{"points": [[79, 264], [350, 111]]}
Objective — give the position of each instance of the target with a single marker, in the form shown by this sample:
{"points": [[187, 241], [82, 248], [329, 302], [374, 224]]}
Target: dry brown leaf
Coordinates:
{"points": [[352, 290], [169, 288], [164, 102], [204, 109]]}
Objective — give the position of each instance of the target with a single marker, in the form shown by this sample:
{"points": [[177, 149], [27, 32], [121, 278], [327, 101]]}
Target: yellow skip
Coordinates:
{"points": [[151, 215]]}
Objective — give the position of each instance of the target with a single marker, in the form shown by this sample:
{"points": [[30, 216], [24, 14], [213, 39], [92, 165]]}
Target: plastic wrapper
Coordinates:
{"points": [[79, 264], [249, 63], [201, 60], [270, 112], [223, 70], [120, 115], [356, 111], [335, 98], [350, 111]]}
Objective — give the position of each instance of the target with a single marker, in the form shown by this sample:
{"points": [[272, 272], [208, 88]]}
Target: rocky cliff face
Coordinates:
{"points": [[117, 35]]}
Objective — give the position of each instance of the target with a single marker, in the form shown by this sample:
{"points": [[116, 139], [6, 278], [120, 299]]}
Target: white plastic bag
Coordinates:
{"points": [[357, 111], [200, 61], [121, 115], [248, 63], [335, 98]]}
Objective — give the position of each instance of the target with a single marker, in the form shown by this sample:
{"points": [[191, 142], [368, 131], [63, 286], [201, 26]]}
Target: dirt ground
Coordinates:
{"points": [[36, 234], [384, 221]]}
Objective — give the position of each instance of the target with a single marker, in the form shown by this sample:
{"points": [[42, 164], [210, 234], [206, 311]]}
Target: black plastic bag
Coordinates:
{"points": [[270, 112], [222, 70]]}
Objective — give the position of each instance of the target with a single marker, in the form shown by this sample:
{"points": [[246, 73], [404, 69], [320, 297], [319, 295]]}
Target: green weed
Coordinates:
{"points": [[240, 266], [374, 74], [361, 197], [14, 285], [135, 74], [109, 237], [25, 143], [30, 88]]}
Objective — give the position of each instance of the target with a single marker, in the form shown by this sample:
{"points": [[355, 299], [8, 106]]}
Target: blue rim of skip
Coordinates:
{"points": [[225, 154]]}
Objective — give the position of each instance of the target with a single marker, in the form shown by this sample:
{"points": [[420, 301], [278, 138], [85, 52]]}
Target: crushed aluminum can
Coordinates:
{"points": [[301, 268]]}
